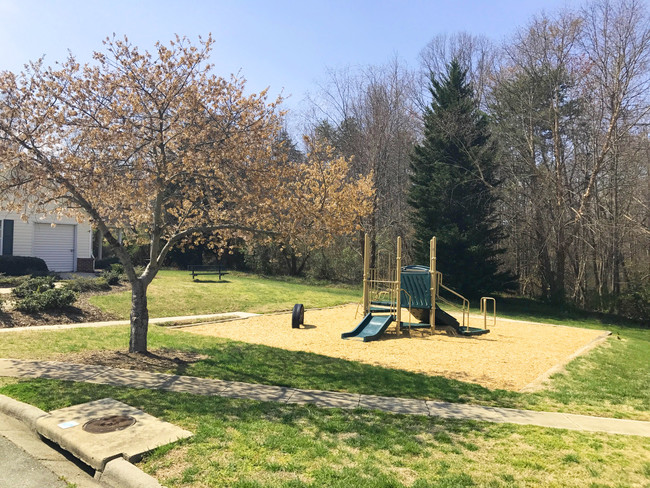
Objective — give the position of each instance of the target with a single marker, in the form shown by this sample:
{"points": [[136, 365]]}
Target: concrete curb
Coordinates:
{"points": [[118, 473], [27, 414]]}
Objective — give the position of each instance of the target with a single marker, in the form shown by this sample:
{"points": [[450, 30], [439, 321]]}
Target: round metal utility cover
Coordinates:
{"points": [[110, 423]]}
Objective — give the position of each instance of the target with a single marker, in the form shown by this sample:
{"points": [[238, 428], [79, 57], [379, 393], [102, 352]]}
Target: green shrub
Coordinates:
{"points": [[81, 285], [110, 277], [113, 275], [33, 286], [106, 263], [22, 265], [53, 299], [11, 281], [635, 303]]}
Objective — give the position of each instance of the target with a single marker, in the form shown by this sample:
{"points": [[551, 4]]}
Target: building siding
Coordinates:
{"points": [[24, 234]]}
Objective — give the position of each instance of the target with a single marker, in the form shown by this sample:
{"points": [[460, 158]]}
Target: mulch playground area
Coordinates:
{"points": [[511, 356]]}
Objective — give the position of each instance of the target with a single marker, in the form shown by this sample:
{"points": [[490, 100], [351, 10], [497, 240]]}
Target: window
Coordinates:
{"points": [[6, 237]]}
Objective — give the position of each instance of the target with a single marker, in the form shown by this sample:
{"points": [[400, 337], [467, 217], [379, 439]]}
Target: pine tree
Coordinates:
{"points": [[453, 178]]}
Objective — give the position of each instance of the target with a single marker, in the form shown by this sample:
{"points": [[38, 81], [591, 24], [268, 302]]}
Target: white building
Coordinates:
{"points": [[63, 243]]}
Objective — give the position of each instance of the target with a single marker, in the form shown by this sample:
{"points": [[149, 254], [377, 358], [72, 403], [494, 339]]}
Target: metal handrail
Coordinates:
{"points": [[465, 306], [483, 309]]}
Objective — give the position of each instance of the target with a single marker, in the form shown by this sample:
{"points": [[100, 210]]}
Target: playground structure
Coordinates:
{"points": [[388, 289]]}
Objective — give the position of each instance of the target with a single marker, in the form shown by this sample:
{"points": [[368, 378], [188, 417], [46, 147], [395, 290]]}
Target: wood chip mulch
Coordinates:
{"points": [[157, 360], [83, 311], [511, 356]]}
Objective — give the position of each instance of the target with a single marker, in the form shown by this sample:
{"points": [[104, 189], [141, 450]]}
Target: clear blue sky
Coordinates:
{"points": [[284, 44]]}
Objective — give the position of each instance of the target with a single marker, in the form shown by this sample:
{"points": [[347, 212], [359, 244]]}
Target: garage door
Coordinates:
{"points": [[55, 245]]}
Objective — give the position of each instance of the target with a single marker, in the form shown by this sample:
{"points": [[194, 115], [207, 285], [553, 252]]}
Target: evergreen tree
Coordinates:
{"points": [[453, 178]]}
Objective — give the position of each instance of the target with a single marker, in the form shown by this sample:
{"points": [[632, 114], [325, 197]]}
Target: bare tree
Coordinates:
{"points": [[369, 115], [476, 53], [569, 104]]}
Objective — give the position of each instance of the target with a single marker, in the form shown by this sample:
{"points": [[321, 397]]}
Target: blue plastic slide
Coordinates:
{"points": [[370, 328]]}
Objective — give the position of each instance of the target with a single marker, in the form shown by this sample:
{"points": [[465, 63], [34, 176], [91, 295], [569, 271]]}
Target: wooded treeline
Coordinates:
{"points": [[568, 104]]}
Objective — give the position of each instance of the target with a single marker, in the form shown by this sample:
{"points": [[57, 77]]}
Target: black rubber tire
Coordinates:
{"points": [[298, 316]]}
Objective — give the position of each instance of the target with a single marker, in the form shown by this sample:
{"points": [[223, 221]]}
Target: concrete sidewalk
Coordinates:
{"points": [[233, 389], [184, 319]]}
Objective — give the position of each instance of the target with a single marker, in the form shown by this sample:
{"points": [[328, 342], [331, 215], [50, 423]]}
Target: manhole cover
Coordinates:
{"points": [[110, 423]]}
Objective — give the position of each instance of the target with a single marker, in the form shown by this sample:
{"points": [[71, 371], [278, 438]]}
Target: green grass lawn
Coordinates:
{"points": [[613, 380], [242, 443], [174, 293]]}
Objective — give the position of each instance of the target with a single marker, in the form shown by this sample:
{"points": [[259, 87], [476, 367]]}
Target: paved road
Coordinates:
{"points": [[20, 470], [28, 462]]}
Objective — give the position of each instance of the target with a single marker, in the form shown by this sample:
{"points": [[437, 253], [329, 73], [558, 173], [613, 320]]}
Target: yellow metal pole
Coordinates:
{"points": [[434, 285], [366, 276], [398, 271]]}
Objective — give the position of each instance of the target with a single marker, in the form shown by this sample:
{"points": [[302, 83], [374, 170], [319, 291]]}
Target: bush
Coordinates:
{"points": [[22, 265], [635, 303], [106, 263], [11, 281], [53, 299], [113, 275], [33, 286], [81, 285]]}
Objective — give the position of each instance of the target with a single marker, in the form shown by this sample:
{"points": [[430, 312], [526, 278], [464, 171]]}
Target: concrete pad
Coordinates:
{"points": [[195, 386], [49, 370], [500, 415], [64, 427], [160, 381], [131, 378], [39, 328], [193, 320], [394, 405], [329, 399], [263, 393], [220, 317], [609, 425]]}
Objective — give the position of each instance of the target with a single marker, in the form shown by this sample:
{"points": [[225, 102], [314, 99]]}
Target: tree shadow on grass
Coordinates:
{"points": [[204, 414], [252, 363]]}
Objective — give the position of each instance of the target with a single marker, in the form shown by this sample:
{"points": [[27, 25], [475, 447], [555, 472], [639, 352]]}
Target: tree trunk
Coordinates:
{"points": [[139, 317]]}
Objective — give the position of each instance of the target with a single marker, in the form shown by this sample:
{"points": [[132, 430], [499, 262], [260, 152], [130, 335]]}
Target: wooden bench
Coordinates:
{"points": [[207, 269]]}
